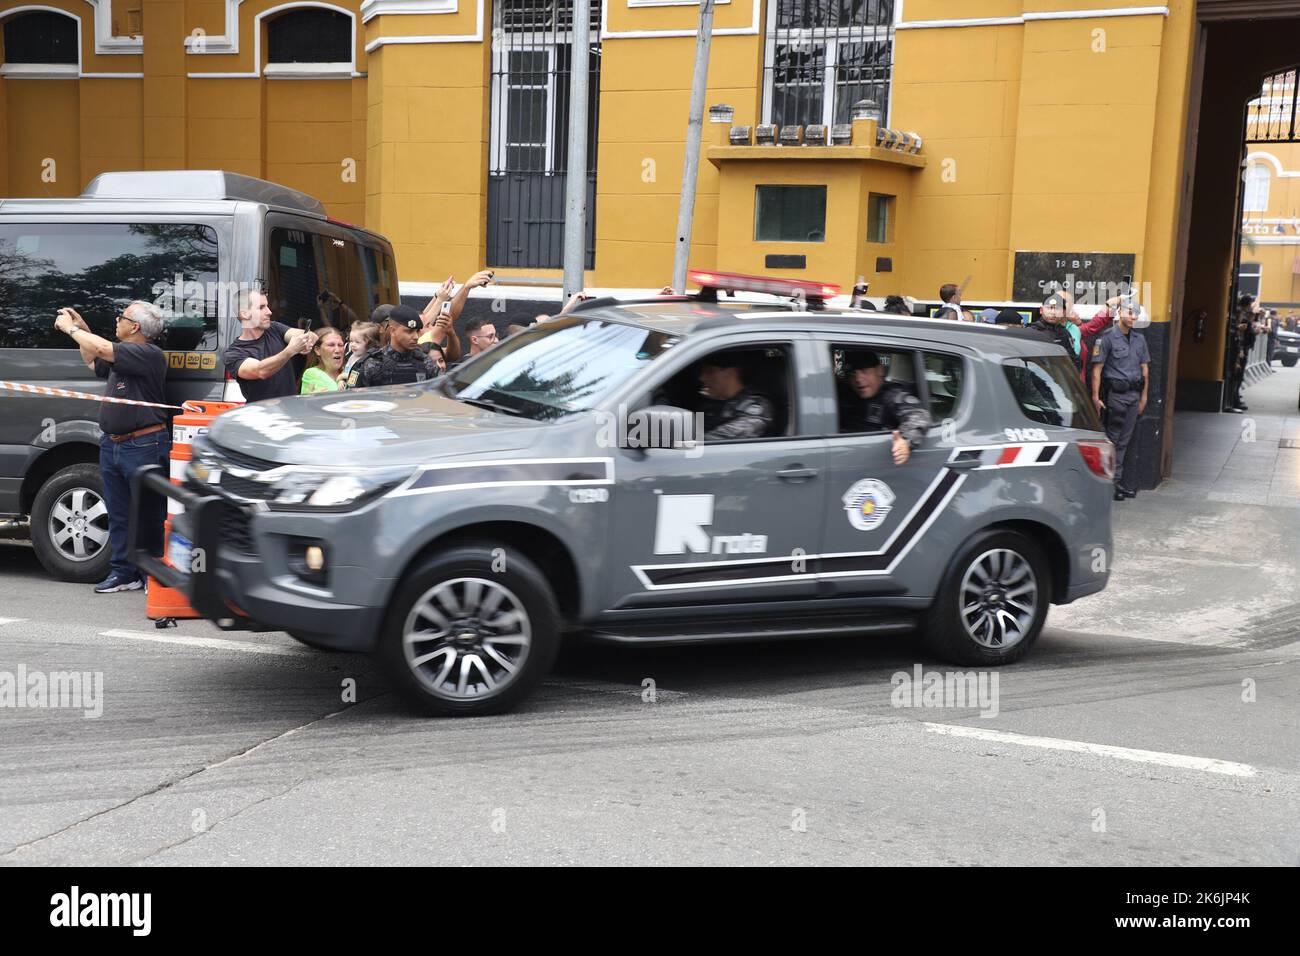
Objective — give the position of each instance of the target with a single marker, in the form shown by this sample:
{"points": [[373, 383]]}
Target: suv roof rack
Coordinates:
{"points": [[212, 184]]}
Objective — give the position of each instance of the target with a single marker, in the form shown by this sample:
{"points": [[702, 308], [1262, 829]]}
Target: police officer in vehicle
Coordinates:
{"points": [[736, 411], [401, 361], [1120, 376], [877, 405]]}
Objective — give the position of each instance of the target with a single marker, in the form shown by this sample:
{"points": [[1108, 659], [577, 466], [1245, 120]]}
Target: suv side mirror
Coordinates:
{"points": [[661, 426]]}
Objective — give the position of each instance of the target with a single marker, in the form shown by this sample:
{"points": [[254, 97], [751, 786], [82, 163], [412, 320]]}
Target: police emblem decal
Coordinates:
{"points": [[359, 406], [868, 503]]}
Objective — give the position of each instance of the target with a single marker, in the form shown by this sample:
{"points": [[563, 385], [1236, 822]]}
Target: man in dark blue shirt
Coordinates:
{"points": [[1120, 376], [134, 435]]}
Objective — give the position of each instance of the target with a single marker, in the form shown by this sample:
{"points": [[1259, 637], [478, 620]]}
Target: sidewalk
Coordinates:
{"points": [[1212, 556]]}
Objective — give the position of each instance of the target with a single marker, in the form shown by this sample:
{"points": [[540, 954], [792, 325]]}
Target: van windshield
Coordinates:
{"points": [[557, 368]]}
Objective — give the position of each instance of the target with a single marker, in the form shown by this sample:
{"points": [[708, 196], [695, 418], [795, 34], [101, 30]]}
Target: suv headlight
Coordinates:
{"points": [[304, 488]]}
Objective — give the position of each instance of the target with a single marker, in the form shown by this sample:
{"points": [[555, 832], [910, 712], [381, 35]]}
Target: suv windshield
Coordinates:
{"points": [[1050, 391], [558, 367]]}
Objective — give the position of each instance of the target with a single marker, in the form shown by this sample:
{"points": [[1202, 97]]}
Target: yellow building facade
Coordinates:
{"points": [[1270, 227], [1046, 136], [1014, 101]]}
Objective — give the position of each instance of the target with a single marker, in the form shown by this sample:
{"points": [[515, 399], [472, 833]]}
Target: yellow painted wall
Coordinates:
{"points": [[297, 132], [44, 121], [644, 107]]}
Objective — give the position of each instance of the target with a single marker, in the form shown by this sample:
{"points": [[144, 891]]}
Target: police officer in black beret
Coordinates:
{"points": [[402, 361], [737, 411], [877, 405]]}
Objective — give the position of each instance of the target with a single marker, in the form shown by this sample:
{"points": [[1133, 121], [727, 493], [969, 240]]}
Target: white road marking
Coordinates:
{"points": [[1183, 761], [11, 620], [211, 643]]}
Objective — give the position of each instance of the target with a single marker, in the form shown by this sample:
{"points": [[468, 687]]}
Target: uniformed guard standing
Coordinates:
{"points": [[878, 405], [1120, 376], [401, 361]]}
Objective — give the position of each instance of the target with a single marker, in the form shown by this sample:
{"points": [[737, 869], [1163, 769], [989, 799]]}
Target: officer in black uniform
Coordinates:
{"points": [[736, 411], [402, 361], [1051, 325], [1120, 375], [877, 405]]}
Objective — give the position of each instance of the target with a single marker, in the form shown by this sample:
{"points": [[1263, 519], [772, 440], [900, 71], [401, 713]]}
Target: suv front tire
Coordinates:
{"points": [[470, 631]]}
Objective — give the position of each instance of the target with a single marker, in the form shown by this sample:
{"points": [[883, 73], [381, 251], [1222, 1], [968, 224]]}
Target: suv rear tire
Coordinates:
{"points": [[72, 499], [462, 638], [992, 602]]}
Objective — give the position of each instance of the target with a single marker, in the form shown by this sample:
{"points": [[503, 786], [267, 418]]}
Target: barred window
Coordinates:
{"points": [[40, 37], [822, 56], [309, 35]]}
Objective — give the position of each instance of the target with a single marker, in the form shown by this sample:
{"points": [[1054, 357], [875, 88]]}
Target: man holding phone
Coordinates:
{"points": [[262, 355]]}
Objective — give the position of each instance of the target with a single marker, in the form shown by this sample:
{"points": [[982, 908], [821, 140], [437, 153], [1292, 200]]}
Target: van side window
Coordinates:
{"points": [[294, 281], [325, 279], [97, 269]]}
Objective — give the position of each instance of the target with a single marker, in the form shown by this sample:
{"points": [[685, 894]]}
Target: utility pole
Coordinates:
{"points": [[575, 192], [694, 129]]}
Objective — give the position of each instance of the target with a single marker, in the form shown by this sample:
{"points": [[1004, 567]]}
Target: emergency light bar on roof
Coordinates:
{"points": [[710, 282]]}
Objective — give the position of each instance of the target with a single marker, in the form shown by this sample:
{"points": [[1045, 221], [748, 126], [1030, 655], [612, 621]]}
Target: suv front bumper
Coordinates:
{"points": [[239, 590]]}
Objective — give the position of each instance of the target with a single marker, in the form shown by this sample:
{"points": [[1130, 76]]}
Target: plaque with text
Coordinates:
{"points": [[1038, 274]]}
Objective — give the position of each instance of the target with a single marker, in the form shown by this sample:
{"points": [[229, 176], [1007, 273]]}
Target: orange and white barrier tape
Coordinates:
{"points": [[68, 393]]}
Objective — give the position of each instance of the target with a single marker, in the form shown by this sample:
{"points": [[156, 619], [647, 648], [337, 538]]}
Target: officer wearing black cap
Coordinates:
{"points": [[877, 405], [1051, 324], [401, 361], [737, 411]]}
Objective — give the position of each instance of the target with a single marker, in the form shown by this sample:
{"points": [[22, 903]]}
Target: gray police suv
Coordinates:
{"points": [[558, 484]]}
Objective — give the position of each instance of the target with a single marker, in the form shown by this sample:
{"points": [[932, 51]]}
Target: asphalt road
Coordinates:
{"points": [[244, 752]]}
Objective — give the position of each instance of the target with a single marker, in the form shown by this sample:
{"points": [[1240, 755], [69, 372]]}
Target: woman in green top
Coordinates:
{"points": [[325, 363]]}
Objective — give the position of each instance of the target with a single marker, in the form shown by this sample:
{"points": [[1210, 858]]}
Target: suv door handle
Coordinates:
{"points": [[797, 473], [962, 464]]}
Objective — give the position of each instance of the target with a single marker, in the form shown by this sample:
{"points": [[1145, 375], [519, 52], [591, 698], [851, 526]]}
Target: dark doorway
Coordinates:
{"points": [[1240, 45]]}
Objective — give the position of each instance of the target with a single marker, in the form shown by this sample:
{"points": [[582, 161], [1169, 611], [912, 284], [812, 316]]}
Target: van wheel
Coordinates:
{"points": [[70, 525], [464, 639], [992, 602]]}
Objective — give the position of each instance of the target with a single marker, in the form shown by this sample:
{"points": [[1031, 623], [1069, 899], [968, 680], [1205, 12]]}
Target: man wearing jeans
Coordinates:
{"points": [[134, 435]]}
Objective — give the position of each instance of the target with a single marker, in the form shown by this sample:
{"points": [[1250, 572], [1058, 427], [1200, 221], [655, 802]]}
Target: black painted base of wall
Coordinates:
{"points": [[1146, 445]]}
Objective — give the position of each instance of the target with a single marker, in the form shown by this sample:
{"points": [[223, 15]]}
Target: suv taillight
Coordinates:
{"points": [[1099, 456]]}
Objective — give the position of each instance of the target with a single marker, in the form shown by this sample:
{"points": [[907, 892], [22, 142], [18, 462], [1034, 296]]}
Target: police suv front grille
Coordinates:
{"points": [[247, 488], [237, 529], [227, 457]]}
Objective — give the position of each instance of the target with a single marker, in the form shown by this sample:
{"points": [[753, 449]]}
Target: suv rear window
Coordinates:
{"points": [[1050, 391], [97, 268]]}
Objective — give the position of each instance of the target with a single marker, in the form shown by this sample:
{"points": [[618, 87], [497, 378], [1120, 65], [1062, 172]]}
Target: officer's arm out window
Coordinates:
{"points": [[1050, 392]]}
